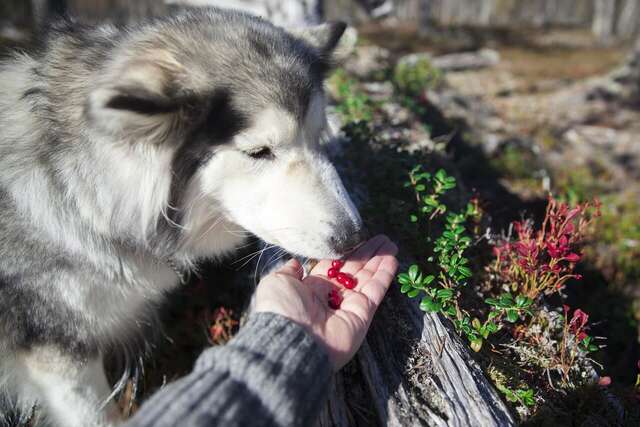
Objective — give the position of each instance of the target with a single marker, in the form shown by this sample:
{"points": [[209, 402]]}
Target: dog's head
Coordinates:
{"points": [[239, 106]]}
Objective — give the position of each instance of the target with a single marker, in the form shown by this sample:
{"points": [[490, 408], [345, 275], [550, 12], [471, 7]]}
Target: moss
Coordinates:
{"points": [[619, 229], [353, 105], [413, 78], [579, 184], [515, 162]]}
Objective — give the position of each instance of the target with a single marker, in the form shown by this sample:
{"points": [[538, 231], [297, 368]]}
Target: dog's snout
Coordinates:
{"points": [[347, 238]]}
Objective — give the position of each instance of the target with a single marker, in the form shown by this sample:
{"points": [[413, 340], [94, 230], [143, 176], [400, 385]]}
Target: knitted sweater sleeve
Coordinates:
{"points": [[273, 373]]}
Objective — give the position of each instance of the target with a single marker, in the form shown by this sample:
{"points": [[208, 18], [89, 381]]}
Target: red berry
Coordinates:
{"points": [[350, 283], [342, 277], [346, 280], [334, 299], [332, 273], [337, 264]]}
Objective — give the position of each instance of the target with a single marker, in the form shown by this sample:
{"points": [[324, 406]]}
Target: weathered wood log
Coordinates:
{"points": [[417, 372], [604, 18]]}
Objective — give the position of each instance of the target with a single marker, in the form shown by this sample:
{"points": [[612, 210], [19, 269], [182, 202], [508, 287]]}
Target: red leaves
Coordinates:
{"points": [[578, 321], [542, 261], [223, 325], [572, 258]]}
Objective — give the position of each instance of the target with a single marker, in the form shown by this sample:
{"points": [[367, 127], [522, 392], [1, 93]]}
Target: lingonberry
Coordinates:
{"points": [[334, 299], [346, 280], [337, 264], [332, 273]]}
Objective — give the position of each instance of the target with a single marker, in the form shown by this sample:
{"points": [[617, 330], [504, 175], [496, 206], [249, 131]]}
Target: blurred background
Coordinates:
{"points": [[517, 98]]}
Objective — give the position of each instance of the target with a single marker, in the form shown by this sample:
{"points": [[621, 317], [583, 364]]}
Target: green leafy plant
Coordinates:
{"points": [[413, 77], [450, 266], [511, 308], [353, 105], [524, 395]]}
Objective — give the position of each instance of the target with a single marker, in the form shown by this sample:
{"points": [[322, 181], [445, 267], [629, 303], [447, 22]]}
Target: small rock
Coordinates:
{"points": [[367, 61], [378, 91], [483, 58], [396, 114], [414, 58]]}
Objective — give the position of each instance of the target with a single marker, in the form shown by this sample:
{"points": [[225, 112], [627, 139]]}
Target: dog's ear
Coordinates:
{"points": [[137, 98], [334, 40]]}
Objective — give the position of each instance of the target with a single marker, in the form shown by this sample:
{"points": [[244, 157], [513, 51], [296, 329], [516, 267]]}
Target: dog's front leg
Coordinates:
{"points": [[71, 390]]}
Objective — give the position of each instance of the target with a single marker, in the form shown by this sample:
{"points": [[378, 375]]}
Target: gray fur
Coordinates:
{"points": [[89, 226]]}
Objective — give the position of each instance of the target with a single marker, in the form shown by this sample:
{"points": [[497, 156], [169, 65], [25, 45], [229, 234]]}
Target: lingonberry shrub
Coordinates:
{"points": [[541, 262], [532, 264], [440, 290]]}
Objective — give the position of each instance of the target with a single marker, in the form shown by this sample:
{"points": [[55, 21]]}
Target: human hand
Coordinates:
{"points": [[305, 302]]}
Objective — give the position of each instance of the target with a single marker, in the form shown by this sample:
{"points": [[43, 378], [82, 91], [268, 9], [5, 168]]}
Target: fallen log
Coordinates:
{"points": [[417, 372]]}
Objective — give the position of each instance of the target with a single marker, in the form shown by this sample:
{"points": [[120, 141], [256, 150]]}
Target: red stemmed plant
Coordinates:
{"points": [[542, 262]]}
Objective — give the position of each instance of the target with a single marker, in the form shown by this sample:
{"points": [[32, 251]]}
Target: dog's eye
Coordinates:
{"points": [[263, 153]]}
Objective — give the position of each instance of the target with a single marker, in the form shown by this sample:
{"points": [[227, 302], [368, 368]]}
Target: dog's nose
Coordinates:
{"points": [[347, 238]]}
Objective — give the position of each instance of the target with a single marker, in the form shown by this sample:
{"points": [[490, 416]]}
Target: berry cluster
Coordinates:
{"points": [[344, 279]]}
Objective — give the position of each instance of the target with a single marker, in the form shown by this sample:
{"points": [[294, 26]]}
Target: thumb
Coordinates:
{"points": [[292, 268]]}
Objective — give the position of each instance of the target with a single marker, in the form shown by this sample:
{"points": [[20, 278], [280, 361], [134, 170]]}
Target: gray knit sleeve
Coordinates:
{"points": [[273, 373]]}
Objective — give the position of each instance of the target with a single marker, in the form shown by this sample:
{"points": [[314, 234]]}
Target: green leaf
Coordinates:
{"points": [[403, 279], [427, 280], [492, 301], [521, 300], [413, 218], [430, 201], [512, 316], [413, 293], [491, 327], [420, 187], [448, 185], [465, 271], [413, 272], [429, 305], [444, 293], [441, 175], [405, 288], [526, 396], [476, 324], [476, 344]]}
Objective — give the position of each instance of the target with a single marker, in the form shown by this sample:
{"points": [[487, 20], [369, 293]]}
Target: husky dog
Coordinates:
{"points": [[129, 154]]}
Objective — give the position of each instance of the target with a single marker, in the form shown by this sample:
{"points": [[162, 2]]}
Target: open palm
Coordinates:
{"points": [[305, 301]]}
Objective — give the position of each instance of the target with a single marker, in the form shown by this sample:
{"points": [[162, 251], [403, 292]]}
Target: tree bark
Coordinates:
{"points": [[604, 19], [417, 372], [629, 19]]}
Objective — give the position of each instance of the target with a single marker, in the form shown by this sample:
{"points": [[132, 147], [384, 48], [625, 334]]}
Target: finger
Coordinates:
{"points": [[292, 268], [356, 260], [377, 286], [370, 268]]}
